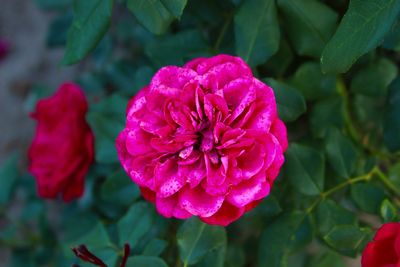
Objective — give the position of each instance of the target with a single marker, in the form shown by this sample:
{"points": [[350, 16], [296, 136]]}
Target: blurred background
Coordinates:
{"points": [[27, 63]]}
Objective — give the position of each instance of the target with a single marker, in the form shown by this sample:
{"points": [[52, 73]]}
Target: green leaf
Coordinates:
{"points": [[152, 14], [341, 153], [305, 168], [290, 102], [368, 197], [175, 6], [214, 258], [119, 74], [119, 189], [392, 39], [314, 85], [321, 118], [235, 256], [391, 121], [57, 32], [148, 261], [91, 21], [288, 232], [9, 174], [362, 28], [92, 233], [155, 247], [329, 214], [107, 119], [195, 239], [142, 77], [22, 258], [328, 259], [135, 223], [394, 174], [389, 212], [374, 79], [309, 25], [176, 49], [347, 239], [268, 208], [281, 60], [257, 31]]}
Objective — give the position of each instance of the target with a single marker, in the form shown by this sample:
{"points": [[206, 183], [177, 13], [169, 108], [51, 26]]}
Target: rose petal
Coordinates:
{"points": [[248, 191], [251, 162], [278, 129], [168, 178], [214, 103], [265, 110], [388, 230], [170, 80], [137, 142], [368, 256], [225, 215], [148, 194], [169, 207], [224, 63], [199, 203], [216, 174], [246, 98]]}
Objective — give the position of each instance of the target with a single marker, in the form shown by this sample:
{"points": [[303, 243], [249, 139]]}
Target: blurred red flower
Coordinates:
{"points": [[62, 150], [384, 249]]}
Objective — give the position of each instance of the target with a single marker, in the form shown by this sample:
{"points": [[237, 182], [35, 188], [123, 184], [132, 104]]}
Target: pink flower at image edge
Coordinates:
{"points": [[204, 140], [63, 147], [384, 249]]}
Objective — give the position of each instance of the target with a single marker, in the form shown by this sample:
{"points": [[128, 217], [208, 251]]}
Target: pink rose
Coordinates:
{"points": [[62, 150], [384, 250], [204, 140]]}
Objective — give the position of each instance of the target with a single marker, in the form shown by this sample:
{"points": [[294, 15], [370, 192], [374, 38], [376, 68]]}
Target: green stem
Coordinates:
{"points": [[341, 87], [385, 180], [323, 195], [350, 125], [375, 172], [223, 32]]}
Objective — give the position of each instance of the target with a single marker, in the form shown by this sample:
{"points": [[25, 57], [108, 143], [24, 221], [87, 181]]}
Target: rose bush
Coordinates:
{"points": [[384, 249], [62, 150], [204, 139], [197, 100]]}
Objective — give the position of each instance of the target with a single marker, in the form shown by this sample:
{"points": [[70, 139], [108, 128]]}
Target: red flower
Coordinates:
{"points": [[62, 150], [384, 249]]}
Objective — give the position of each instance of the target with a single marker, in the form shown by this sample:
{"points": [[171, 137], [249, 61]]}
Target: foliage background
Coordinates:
{"points": [[334, 69]]}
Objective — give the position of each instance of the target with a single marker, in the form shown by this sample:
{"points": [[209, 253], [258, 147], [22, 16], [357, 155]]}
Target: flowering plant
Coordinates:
{"points": [[211, 133]]}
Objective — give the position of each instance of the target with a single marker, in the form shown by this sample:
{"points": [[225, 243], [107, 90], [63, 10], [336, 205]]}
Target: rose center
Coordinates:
{"points": [[206, 141]]}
